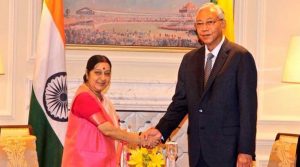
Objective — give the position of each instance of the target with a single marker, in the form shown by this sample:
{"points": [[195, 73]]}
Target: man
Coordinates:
{"points": [[221, 104]]}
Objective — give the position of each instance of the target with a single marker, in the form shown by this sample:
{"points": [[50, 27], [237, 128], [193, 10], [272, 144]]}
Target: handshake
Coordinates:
{"points": [[150, 138]]}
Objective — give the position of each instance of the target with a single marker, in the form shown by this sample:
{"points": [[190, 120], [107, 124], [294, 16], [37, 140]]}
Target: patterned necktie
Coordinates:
{"points": [[208, 67]]}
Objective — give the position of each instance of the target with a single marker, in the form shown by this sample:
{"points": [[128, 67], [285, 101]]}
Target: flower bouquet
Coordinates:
{"points": [[143, 157]]}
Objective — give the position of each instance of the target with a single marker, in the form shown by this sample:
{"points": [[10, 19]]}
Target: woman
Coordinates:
{"points": [[93, 123]]}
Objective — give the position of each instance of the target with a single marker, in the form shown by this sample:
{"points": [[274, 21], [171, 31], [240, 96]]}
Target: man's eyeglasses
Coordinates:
{"points": [[208, 23]]}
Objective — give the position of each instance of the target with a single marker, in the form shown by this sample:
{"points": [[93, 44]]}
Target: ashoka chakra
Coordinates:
{"points": [[55, 97]]}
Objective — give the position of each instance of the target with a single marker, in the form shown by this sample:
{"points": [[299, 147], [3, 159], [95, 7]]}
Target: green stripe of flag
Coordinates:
{"points": [[49, 148]]}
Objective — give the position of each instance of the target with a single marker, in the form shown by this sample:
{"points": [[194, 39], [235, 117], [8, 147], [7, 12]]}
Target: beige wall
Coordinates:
{"points": [[262, 26]]}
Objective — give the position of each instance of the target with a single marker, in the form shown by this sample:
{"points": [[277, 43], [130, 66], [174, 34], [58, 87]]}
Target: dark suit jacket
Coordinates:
{"points": [[222, 115]]}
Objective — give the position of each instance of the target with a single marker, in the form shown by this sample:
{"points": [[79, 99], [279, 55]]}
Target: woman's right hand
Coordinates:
{"points": [[150, 138]]}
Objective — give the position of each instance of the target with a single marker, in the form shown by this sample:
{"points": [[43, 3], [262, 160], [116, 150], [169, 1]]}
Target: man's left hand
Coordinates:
{"points": [[244, 160]]}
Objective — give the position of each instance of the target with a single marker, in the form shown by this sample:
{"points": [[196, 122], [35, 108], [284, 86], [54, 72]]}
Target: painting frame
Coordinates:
{"points": [[82, 23]]}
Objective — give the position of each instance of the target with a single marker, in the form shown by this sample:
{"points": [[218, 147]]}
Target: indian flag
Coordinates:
{"points": [[228, 8], [48, 113]]}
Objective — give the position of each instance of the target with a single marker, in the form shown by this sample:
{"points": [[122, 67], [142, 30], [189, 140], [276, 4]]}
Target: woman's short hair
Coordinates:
{"points": [[95, 59]]}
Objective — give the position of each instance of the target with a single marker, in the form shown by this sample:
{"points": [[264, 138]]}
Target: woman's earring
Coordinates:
{"points": [[86, 76]]}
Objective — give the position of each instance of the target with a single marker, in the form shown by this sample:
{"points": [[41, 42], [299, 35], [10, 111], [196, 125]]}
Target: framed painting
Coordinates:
{"points": [[138, 24]]}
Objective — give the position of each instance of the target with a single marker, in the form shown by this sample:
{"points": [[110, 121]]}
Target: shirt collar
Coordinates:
{"points": [[216, 50]]}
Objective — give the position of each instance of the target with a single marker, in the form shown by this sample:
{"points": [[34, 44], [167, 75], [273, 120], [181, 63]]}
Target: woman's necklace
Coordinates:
{"points": [[99, 95]]}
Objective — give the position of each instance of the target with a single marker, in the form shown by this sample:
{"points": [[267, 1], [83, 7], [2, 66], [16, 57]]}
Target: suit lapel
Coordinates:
{"points": [[220, 61], [199, 66]]}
